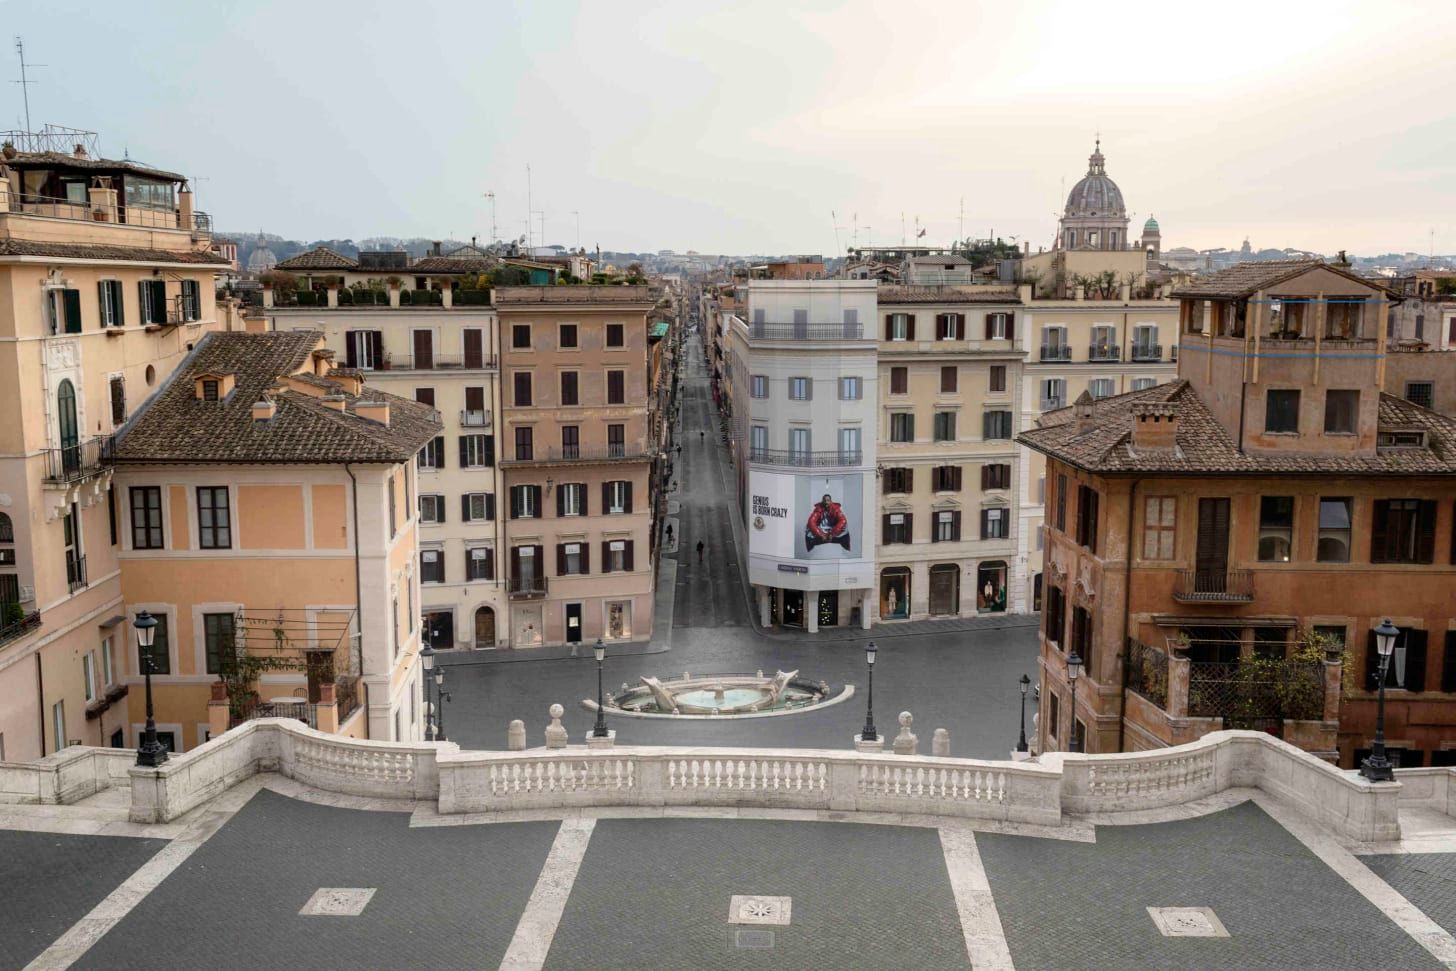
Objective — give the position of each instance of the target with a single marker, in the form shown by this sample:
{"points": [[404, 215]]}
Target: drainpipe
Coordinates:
{"points": [[1126, 623], [359, 596], [40, 697]]}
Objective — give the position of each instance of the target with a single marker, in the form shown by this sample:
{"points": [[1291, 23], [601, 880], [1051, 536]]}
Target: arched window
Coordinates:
{"points": [[7, 529]]}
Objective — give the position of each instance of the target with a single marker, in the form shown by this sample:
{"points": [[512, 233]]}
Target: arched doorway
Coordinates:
{"points": [[895, 593], [69, 429], [485, 627], [945, 588], [991, 586]]}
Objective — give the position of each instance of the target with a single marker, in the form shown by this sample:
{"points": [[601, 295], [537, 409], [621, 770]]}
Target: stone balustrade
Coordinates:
{"points": [[66, 776]]}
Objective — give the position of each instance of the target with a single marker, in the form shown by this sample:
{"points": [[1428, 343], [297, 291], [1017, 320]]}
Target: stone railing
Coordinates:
{"points": [[67, 776], [1428, 788]]}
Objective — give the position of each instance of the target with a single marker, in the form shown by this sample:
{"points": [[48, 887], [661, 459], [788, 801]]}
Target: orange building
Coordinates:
{"points": [[1219, 548]]}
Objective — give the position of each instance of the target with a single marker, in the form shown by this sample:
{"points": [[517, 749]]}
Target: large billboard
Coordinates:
{"points": [[806, 517]]}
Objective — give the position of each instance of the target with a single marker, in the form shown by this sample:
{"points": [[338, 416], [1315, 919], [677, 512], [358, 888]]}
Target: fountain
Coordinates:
{"points": [[721, 696]]}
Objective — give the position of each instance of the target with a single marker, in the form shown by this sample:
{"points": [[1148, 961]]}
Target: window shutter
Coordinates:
{"points": [[1379, 526], [535, 498], [438, 446], [955, 478], [986, 425], [985, 477], [1448, 663], [955, 525], [1011, 327], [465, 510], [490, 505], [1415, 660], [490, 450], [627, 555], [889, 326], [440, 507], [143, 302], [606, 554], [937, 479], [990, 326], [1426, 532], [561, 559], [585, 558], [910, 327], [349, 359], [376, 347], [627, 497], [515, 502], [159, 301], [561, 500], [515, 562], [909, 528], [464, 451], [885, 529], [606, 497], [985, 523], [101, 299], [960, 327]]}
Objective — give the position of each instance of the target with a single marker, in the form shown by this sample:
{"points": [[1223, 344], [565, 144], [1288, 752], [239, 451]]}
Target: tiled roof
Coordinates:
{"points": [[1247, 279], [947, 295], [176, 427], [318, 258], [574, 294], [99, 251], [1203, 446], [66, 160], [454, 264]]}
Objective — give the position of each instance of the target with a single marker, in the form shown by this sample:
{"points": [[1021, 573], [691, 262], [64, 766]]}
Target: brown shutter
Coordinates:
{"points": [[585, 558], [1448, 663], [910, 327], [425, 396], [464, 451], [1426, 532], [474, 399], [376, 348], [955, 525], [560, 501], [561, 559], [465, 511], [535, 498], [627, 555], [985, 477], [474, 349], [1011, 327], [889, 326], [606, 497], [627, 498], [937, 478], [606, 555], [990, 325], [960, 327], [1415, 660], [909, 480], [1379, 526], [956, 478], [909, 527], [985, 523], [349, 359]]}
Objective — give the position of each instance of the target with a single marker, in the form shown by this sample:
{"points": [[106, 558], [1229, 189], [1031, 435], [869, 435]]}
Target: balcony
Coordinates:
{"points": [[1147, 352], [75, 463], [475, 419], [526, 588], [75, 572], [807, 332], [87, 210], [803, 460], [300, 709], [1052, 353], [1104, 352], [1214, 586], [19, 627], [435, 362], [586, 454]]}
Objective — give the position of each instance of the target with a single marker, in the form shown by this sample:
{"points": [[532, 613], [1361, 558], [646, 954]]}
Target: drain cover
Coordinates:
{"points": [[759, 940]]}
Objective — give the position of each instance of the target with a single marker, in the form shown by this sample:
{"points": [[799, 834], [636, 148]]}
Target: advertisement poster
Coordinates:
{"points": [[828, 517], [771, 516]]}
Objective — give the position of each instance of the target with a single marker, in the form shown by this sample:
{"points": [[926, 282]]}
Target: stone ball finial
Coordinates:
{"points": [[556, 711], [906, 719]]}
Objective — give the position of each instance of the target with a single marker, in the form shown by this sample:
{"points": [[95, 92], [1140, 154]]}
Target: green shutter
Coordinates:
{"points": [[72, 300]]}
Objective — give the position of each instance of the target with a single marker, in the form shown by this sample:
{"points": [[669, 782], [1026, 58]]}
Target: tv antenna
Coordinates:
{"points": [[491, 197], [577, 214], [25, 82]]}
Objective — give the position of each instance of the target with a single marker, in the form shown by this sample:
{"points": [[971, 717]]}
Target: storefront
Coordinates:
{"points": [[895, 593], [945, 588], [991, 587]]}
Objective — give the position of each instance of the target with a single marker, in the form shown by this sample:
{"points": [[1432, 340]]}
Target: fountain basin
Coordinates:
{"points": [[721, 696]]}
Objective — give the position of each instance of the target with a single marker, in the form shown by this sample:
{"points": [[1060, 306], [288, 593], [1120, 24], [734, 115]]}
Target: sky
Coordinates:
{"points": [[770, 127]]}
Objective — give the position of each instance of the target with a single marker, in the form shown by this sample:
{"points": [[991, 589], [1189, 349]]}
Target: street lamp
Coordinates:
{"points": [[600, 731], [1377, 767], [427, 661], [1074, 671], [441, 696], [151, 753], [869, 734], [1025, 686]]}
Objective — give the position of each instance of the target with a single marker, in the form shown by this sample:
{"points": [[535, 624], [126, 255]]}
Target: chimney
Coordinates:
{"points": [[80, 151], [1023, 293], [436, 249], [377, 411], [334, 401], [1154, 426], [264, 410], [255, 325], [1342, 261], [1084, 412]]}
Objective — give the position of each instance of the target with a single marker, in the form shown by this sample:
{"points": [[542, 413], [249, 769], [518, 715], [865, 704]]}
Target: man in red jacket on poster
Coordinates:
{"points": [[827, 524]]}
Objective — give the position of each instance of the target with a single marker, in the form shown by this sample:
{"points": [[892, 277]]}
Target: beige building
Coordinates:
{"points": [[949, 368], [106, 283], [265, 518], [577, 459]]}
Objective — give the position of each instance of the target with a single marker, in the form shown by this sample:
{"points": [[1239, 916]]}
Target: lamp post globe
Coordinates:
{"points": [[600, 729], [1377, 767], [151, 752], [869, 734], [1074, 671], [1025, 684], [441, 696], [427, 664]]}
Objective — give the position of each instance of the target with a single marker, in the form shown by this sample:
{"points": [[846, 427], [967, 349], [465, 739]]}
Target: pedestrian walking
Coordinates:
{"points": [[700, 551], [669, 532], [700, 437]]}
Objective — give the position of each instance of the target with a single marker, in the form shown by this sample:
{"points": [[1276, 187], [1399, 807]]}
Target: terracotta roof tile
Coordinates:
{"points": [[1247, 279], [947, 295], [98, 251], [318, 258], [574, 294]]}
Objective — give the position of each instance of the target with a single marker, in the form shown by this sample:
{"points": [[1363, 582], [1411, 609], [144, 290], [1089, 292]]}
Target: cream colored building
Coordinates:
{"points": [[106, 283]]}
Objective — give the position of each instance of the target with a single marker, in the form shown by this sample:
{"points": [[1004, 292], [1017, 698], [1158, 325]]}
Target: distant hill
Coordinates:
{"points": [[285, 248]]}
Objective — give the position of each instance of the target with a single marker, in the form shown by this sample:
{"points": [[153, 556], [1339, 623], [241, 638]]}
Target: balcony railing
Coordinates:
{"points": [[436, 362], [1147, 672], [1052, 404], [17, 628], [76, 572], [346, 696], [301, 710], [84, 210], [526, 587], [76, 462], [807, 332], [1104, 352], [1147, 352], [1214, 586], [541, 455], [804, 460], [1256, 694], [201, 221], [1061, 352], [475, 419]]}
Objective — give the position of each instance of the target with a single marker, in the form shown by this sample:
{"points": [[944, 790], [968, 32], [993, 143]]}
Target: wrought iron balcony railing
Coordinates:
{"points": [[475, 419], [1214, 586], [775, 456], [526, 587], [73, 463], [807, 332], [1147, 352], [1060, 352], [552, 454], [1104, 352], [75, 572]]}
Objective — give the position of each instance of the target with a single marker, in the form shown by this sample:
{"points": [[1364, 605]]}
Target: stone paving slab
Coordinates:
{"points": [[655, 893], [444, 897], [1068, 906], [1427, 880], [48, 881]]}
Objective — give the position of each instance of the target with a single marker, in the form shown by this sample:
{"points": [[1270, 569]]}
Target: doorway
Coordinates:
{"points": [[573, 623], [1210, 567], [69, 429], [793, 608], [895, 593], [485, 627], [526, 627], [945, 588], [828, 608], [440, 629], [1036, 592], [991, 586]]}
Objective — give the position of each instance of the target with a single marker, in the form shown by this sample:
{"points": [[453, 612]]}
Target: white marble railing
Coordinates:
{"points": [[65, 776]]}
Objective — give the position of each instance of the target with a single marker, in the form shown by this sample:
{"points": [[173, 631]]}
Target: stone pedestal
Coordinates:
{"points": [[1178, 673], [394, 296], [940, 744], [332, 294], [447, 297], [906, 743], [862, 744], [592, 741], [516, 736], [1019, 756], [217, 710], [556, 732]]}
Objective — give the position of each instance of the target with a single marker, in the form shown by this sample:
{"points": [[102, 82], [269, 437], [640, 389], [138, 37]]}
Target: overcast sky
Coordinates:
{"points": [[741, 127]]}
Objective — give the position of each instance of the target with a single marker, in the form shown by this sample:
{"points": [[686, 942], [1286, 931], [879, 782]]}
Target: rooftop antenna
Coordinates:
{"points": [[491, 197], [577, 214], [24, 81], [528, 208], [902, 227], [834, 221], [961, 222]]}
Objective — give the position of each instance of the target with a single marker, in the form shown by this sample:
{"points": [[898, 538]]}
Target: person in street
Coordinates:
{"points": [[669, 532], [700, 551], [700, 437]]}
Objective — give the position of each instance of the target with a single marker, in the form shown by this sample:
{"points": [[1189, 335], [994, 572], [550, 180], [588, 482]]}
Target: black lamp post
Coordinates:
{"points": [[151, 753], [1025, 685], [441, 696], [869, 734], [1377, 767], [427, 661], [1074, 671], [600, 731]]}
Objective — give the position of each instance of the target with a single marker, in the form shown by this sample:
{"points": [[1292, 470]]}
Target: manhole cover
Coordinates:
{"points": [[756, 940]]}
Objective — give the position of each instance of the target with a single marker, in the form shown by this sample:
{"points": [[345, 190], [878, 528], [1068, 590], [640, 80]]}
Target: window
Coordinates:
{"points": [[849, 442], [477, 451], [1056, 615], [998, 326], [1101, 387], [616, 441], [108, 662], [1403, 531], [389, 491], [58, 724], [1142, 384], [571, 559], [521, 337], [1342, 317], [477, 507], [1081, 640], [1056, 709], [570, 381], [153, 300], [898, 327], [566, 336], [571, 499], [615, 336], [945, 478], [209, 389], [118, 399], [1054, 344], [214, 524], [617, 556], [191, 301], [1087, 502], [146, 517], [1160, 521], [218, 635], [902, 427], [1276, 528], [944, 426], [161, 652], [1341, 409], [1334, 530], [1420, 393], [617, 497], [800, 444], [479, 563], [899, 480], [522, 386], [801, 389], [616, 387], [432, 456], [524, 444], [425, 396], [1062, 503], [1281, 411], [850, 389], [525, 502], [1053, 393], [758, 386], [996, 424], [109, 292], [1104, 343], [949, 376], [997, 378], [949, 327], [947, 527], [1145, 345], [88, 674], [899, 380], [758, 442], [996, 476], [363, 349], [432, 566], [994, 523], [896, 528], [432, 509]]}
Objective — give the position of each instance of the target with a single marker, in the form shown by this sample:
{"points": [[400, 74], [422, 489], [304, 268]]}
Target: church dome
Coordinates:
{"points": [[1151, 226], [1096, 194]]}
